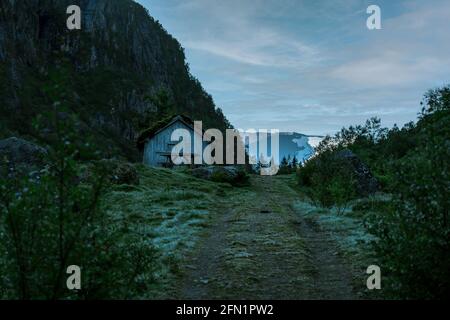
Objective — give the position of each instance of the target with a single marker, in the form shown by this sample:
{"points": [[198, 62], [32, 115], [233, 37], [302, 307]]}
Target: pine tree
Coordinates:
{"points": [[284, 166], [294, 163]]}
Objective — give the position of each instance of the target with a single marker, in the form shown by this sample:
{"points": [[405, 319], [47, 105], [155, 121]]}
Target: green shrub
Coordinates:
{"points": [[240, 179], [411, 227], [372, 205], [328, 180], [50, 220], [414, 235]]}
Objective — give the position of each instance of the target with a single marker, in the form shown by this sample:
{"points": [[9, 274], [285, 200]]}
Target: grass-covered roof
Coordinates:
{"points": [[150, 132]]}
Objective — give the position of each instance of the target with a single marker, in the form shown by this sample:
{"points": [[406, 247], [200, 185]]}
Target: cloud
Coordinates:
{"points": [[268, 50], [411, 48], [312, 66], [239, 36], [386, 70]]}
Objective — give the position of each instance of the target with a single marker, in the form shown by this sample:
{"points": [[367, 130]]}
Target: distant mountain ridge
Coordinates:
{"points": [[296, 144], [292, 144]]}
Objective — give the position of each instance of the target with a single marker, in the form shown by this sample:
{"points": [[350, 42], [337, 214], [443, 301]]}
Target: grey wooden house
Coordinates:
{"points": [[156, 142]]}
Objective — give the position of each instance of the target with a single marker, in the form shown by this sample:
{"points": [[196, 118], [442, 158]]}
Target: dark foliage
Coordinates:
{"points": [[288, 166], [412, 164], [51, 219], [414, 237], [328, 180]]}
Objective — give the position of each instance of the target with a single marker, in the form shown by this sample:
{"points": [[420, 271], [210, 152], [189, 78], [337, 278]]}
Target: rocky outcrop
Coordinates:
{"points": [[21, 152], [366, 183], [18, 156]]}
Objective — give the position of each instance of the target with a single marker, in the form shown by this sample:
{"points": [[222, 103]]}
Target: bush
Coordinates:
{"points": [[50, 220], [412, 227], [238, 178], [414, 236], [118, 172], [328, 180], [234, 175]]}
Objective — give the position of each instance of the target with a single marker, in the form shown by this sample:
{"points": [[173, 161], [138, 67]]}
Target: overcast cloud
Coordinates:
{"points": [[312, 66]]}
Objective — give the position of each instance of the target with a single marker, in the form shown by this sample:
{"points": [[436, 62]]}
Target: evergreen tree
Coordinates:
{"points": [[284, 166], [294, 163]]}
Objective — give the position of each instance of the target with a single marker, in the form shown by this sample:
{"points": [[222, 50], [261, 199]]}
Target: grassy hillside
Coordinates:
{"points": [[172, 210], [215, 240], [175, 236]]}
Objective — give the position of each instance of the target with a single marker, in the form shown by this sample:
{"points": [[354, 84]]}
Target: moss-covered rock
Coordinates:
{"points": [[20, 156]]}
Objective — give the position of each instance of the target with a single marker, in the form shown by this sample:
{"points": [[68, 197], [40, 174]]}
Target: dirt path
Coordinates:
{"points": [[260, 248]]}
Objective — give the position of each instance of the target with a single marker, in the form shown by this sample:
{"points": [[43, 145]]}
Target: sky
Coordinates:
{"points": [[312, 66]]}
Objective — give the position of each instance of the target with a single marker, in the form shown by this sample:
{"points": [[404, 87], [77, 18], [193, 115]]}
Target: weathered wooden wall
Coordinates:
{"points": [[161, 143]]}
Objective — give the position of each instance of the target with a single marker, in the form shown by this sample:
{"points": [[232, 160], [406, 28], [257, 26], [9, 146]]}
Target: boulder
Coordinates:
{"points": [[21, 152], [18, 155], [366, 183]]}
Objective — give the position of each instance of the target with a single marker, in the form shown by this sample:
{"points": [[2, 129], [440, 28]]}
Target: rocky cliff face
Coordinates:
{"points": [[120, 56]]}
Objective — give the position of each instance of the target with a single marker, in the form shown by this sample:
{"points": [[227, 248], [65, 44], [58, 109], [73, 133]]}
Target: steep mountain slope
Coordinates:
{"points": [[104, 71]]}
